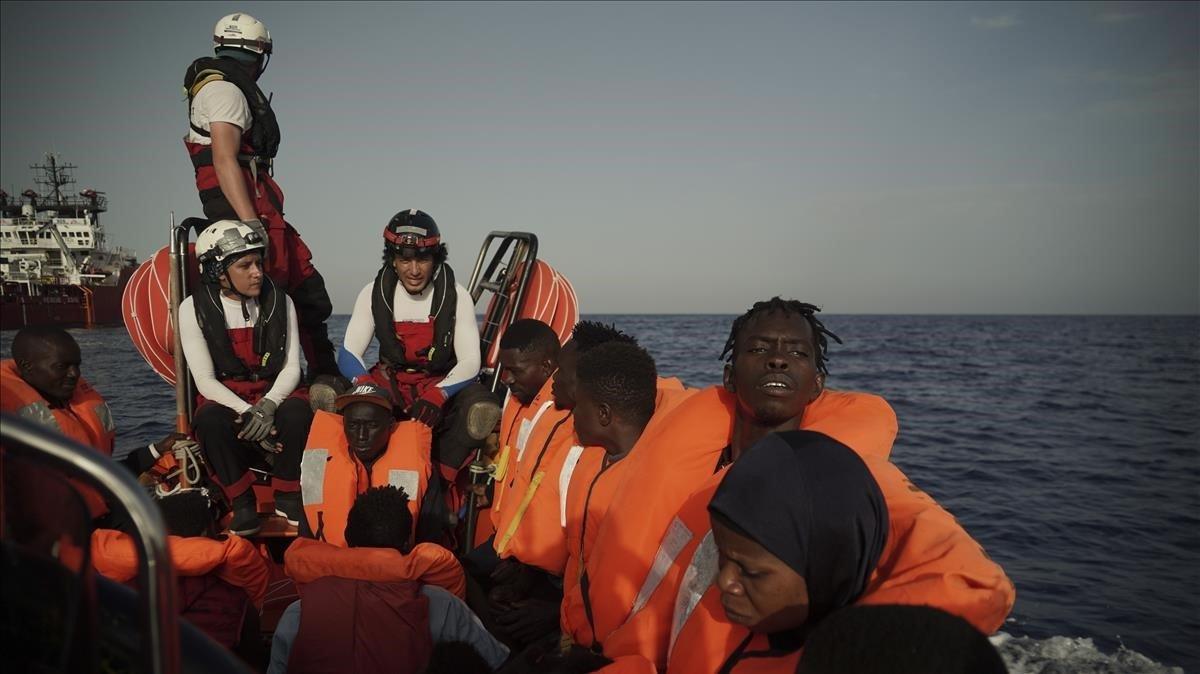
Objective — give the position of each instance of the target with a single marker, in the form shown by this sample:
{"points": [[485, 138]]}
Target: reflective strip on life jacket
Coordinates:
{"points": [[564, 481], [331, 478], [677, 536], [697, 579], [527, 427]]}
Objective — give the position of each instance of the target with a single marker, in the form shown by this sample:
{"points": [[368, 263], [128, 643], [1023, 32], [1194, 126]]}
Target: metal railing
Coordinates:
{"points": [[39, 446]]}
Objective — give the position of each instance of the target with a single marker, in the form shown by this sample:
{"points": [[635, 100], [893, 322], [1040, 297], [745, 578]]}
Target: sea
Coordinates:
{"points": [[1068, 446]]}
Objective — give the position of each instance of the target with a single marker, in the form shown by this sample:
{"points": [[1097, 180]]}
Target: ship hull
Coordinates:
{"points": [[65, 306]]}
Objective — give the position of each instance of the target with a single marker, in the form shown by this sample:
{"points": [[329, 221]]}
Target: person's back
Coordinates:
{"points": [[221, 580], [367, 608]]}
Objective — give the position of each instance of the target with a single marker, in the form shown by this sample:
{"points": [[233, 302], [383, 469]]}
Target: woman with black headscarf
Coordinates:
{"points": [[798, 525], [801, 527]]}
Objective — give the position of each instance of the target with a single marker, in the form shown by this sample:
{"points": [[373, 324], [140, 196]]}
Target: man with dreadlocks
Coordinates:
{"points": [[774, 380]]}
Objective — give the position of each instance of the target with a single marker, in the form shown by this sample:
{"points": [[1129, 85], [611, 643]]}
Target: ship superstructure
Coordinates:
{"points": [[55, 266]]}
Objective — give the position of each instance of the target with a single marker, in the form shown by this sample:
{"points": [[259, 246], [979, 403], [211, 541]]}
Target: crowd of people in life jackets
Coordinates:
{"points": [[629, 523]]}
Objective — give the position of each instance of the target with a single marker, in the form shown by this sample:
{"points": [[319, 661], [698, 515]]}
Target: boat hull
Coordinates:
{"points": [[67, 306]]}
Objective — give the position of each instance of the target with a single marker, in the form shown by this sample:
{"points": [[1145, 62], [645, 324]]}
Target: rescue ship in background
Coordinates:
{"points": [[55, 265]]}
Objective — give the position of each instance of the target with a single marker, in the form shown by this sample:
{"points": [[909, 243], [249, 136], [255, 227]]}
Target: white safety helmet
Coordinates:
{"points": [[242, 31], [222, 242]]}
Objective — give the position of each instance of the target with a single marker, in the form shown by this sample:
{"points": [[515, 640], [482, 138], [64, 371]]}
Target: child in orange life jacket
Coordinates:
{"points": [[364, 447], [242, 346], [370, 616]]}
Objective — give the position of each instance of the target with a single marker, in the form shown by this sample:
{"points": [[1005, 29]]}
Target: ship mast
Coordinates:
{"points": [[51, 178]]}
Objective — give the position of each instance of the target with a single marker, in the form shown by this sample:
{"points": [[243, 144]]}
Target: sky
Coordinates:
{"points": [[675, 157]]}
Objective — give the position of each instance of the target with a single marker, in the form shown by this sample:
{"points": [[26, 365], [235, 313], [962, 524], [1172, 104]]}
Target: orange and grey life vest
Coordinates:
{"points": [[331, 477], [85, 418]]}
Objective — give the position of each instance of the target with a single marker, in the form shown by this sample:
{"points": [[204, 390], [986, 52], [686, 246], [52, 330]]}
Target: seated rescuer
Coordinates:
{"points": [[894, 639], [242, 347], [371, 608], [774, 380], [222, 580], [364, 447], [777, 501], [424, 322], [44, 384]]}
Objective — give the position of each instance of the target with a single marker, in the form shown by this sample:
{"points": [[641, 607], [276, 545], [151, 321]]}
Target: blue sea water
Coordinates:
{"points": [[1068, 446]]}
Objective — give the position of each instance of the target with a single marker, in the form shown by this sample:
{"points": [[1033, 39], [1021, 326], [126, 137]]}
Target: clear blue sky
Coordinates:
{"points": [[890, 158]]}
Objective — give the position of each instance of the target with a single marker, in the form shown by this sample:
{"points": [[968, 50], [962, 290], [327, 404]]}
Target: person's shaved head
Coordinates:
{"points": [[48, 359]]}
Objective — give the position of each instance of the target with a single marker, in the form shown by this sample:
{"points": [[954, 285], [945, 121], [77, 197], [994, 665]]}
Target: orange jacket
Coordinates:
{"points": [[331, 477], [307, 560], [592, 488], [85, 419], [928, 560], [640, 542], [233, 560], [526, 509], [517, 422]]}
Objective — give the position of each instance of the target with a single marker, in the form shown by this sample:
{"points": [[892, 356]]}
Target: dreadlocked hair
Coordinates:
{"points": [[379, 518], [622, 375], [781, 306], [589, 334]]}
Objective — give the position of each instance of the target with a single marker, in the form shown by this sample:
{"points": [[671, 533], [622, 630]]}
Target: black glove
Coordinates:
{"points": [[428, 408], [259, 421]]}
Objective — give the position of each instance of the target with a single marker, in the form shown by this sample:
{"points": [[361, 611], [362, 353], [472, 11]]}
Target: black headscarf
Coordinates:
{"points": [[810, 501]]}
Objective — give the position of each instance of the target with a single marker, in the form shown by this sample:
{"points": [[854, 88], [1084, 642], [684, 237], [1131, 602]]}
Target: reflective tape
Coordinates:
{"points": [[39, 413], [673, 542], [564, 481], [699, 576], [312, 476], [408, 480]]}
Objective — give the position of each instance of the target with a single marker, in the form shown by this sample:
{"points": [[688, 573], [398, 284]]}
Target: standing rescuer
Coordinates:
{"points": [[232, 141]]}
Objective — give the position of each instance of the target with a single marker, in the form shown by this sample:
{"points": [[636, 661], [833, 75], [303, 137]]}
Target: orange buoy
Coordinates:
{"points": [[146, 308], [550, 298]]}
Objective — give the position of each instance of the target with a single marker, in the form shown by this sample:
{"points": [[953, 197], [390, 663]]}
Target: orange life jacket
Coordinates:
{"points": [[234, 560], [528, 524], [362, 609], [85, 419], [928, 559], [640, 542], [592, 488], [331, 477], [517, 422], [306, 560]]}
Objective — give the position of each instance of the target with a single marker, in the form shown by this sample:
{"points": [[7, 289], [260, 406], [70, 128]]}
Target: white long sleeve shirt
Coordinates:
{"points": [[200, 362], [405, 307]]}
